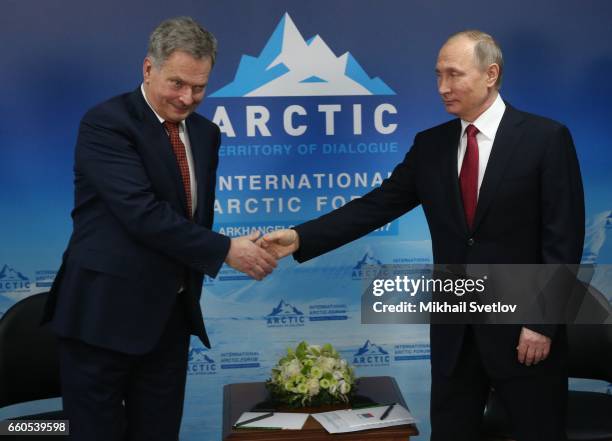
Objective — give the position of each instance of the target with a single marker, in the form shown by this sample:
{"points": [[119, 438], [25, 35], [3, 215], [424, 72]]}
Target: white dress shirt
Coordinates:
{"points": [[185, 138], [487, 124]]}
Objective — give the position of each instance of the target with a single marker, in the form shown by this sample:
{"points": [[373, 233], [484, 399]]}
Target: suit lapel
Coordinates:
{"points": [[157, 137], [507, 137], [450, 145], [197, 139]]}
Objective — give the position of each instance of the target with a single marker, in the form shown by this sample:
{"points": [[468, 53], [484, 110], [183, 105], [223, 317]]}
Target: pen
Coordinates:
{"points": [[387, 412], [252, 420]]}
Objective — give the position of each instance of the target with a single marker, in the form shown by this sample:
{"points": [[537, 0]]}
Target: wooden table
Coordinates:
{"points": [[241, 397]]}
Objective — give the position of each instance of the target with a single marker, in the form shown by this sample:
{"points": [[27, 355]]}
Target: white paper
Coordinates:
{"points": [[354, 420], [280, 420]]}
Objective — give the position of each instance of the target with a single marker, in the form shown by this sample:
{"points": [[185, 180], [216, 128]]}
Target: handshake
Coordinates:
{"points": [[256, 256]]}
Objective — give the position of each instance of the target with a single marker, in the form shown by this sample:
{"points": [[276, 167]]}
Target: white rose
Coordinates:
{"points": [[313, 387], [326, 363], [337, 375], [345, 388], [292, 369]]}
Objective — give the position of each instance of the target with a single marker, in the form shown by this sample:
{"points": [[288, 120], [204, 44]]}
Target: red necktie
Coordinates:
{"points": [[181, 157], [468, 177]]}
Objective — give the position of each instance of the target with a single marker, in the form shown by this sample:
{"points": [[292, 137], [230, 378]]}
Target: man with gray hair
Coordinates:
{"points": [[127, 297], [498, 186]]}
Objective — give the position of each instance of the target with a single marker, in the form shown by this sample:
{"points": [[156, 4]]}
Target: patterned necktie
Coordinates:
{"points": [[181, 157], [468, 177]]}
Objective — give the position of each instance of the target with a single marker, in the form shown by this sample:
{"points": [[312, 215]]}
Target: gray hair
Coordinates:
{"points": [[486, 50], [181, 34]]}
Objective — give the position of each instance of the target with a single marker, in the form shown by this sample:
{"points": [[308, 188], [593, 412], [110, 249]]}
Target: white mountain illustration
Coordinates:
{"points": [[368, 259], [597, 244], [598, 250], [8, 273], [371, 348], [291, 66], [285, 308], [198, 355]]}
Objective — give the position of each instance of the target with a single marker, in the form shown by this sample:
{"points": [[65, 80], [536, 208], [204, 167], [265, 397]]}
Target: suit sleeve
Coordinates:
{"points": [[397, 195], [562, 205], [562, 202], [109, 161]]}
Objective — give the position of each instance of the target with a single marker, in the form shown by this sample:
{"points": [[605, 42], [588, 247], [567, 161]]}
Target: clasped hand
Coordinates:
{"points": [[280, 243], [245, 256], [256, 256]]}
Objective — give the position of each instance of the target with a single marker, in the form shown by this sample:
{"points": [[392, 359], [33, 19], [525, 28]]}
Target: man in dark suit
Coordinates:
{"points": [[126, 298], [497, 185]]}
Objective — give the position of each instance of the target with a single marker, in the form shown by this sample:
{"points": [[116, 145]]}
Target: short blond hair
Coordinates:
{"points": [[486, 50]]}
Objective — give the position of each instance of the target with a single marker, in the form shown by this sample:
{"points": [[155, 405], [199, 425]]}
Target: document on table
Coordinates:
{"points": [[279, 420], [354, 420]]}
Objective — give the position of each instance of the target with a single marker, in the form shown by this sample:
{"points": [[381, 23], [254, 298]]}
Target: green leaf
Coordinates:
{"points": [[301, 350]]}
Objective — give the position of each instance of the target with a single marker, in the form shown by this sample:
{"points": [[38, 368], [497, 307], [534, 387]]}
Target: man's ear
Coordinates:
{"points": [[147, 66], [492, 74]]}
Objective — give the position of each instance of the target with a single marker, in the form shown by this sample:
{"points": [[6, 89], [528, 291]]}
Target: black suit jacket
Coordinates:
{"points": [[530, 210], [132, 245]]}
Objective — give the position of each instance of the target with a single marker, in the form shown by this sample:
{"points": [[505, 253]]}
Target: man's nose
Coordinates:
{"points": [[187, 97], [443, 87]]}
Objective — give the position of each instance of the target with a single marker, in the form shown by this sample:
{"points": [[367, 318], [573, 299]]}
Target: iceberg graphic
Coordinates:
{"points": [[597, 244], [288, 65], [284, 308], [368, 259], [598, 250], [198, 355], [9, 273], [370, 348]]}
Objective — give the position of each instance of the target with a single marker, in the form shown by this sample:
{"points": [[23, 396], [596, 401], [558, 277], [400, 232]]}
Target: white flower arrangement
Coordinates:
{"points": [[311, 375]]}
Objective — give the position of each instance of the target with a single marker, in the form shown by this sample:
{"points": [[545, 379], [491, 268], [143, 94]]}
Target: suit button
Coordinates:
{"points": [[470, 242]]}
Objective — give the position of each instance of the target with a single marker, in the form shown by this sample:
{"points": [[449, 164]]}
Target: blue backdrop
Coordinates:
{"points": [[320, 127]]}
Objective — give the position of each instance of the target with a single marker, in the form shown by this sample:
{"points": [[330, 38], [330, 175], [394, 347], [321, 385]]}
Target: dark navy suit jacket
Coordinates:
{"points": [[132, 245], [530, 210]]}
